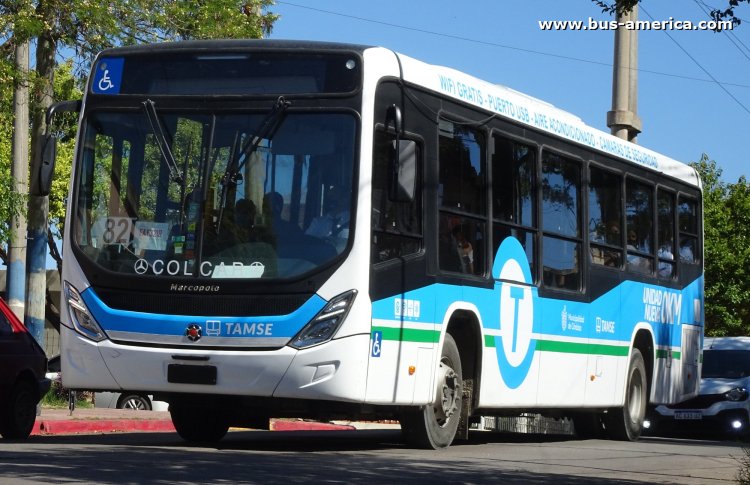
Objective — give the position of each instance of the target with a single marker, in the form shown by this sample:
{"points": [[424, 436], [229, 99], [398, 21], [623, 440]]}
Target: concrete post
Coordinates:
{"points": [[20, 179], [623, 120]]}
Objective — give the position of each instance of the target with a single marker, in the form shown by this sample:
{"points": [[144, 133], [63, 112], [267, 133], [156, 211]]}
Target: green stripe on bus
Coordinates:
{"points": [[570, 347], [408, 334], [489, 340], [663, 354], [581, 348]]}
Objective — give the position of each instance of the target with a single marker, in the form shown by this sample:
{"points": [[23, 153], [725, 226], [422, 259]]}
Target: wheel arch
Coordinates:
{"points": [[643, 340], [464, 324]]}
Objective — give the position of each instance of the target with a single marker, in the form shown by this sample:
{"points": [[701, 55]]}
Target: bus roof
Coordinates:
{"points": [[540, 115], [493, 98]]}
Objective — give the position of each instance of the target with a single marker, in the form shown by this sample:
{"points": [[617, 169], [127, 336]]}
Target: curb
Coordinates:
{"points": [[54, 427], [48, 427], [285, 425]]}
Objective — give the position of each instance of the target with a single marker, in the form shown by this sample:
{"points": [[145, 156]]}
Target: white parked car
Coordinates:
{"points": [[128, 400], [722, 407]]}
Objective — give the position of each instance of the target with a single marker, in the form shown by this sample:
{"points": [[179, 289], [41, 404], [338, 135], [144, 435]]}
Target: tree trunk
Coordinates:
{"points": [[39, 206]]}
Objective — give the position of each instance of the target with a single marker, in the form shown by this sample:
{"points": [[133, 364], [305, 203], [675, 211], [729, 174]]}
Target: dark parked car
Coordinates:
{"points": [[22, 379]]}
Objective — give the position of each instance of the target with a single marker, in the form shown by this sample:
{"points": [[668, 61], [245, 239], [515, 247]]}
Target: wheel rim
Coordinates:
{"points": [[448, 393], [134, 403]]}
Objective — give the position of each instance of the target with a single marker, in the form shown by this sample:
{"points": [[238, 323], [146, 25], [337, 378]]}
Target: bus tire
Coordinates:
{"points": [[199, 424], [434, 426], [626, 423]]}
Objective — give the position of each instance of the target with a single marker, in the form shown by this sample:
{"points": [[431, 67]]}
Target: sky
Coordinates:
{"points": [[693, 86]]}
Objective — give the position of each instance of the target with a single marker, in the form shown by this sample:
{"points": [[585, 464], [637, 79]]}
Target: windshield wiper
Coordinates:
{"points": [[233, 173], [161, 140]]}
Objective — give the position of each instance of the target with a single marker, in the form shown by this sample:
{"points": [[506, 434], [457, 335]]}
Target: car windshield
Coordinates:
{"points": [[182, 195], [727, 364]]}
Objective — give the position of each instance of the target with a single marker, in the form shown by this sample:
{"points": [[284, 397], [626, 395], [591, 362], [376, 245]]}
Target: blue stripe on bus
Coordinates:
{"points": [[520, 317], [229, 327]]}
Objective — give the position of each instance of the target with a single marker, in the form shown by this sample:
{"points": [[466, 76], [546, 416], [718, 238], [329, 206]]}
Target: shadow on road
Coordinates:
{"points": [[270, 457]]}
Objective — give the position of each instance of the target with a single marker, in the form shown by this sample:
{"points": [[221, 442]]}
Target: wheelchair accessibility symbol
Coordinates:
{"points": [[108, 76], [105, 83]]}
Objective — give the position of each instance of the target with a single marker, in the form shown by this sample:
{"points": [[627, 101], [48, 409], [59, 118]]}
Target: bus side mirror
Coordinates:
{"points": [[47, 168], [49, 147], [403, 161]]}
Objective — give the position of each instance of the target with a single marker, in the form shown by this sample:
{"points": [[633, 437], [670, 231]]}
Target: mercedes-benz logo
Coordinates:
{"points": [[193, 332], [141, 266]]}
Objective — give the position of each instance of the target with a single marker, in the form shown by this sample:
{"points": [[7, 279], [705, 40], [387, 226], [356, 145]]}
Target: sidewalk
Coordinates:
{"points": [[103, 420]]}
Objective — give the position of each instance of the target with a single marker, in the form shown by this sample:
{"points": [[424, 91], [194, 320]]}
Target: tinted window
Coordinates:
{"points": [[665, 206], [231, 72], [462, 194], [5, 328], [513, 166], [560, 191], [397, 226], [561, 179], [639, 205], [730, 364], [688, 220], [605, 217]]}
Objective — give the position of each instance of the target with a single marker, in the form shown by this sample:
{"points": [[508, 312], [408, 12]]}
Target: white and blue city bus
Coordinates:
{"points": [[263, 229]]}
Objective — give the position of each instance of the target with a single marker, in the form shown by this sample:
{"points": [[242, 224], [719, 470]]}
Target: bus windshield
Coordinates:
{"points": [[284, 212]]}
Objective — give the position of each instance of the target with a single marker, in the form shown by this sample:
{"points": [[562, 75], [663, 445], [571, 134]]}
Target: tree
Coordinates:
{"points": [[726, 209], [624, 6], [87, 27]]}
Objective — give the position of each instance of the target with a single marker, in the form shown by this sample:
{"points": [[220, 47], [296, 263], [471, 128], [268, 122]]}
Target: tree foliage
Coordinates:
{"points": [[726, 208], [83, 28], [623, 6]]}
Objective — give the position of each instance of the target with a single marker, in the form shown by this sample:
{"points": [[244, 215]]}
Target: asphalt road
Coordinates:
{"points": [[365, 456]]}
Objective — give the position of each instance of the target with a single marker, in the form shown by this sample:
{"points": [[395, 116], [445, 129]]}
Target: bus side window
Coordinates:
{"points": [[639, 203], [688, 223], [605, 218], [665, 206], [396, 226], [561, 244], [462, 195], [514, 195]]}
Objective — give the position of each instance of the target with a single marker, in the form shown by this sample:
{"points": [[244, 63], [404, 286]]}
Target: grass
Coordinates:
{"points": [[57, 397]]}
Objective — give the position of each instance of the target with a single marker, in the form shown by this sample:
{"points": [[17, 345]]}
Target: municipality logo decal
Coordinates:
{"points": [[564, 317]]}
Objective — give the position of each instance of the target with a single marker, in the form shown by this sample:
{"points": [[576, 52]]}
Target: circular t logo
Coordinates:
{"points": [[515, 346]]}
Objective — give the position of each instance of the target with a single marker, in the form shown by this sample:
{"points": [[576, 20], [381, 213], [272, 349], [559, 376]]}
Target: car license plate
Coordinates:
{"points": [[688, 415]]}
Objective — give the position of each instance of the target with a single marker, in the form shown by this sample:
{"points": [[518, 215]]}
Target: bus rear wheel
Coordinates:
{"points": [[434, 426], [199, 424], [626, 423]]}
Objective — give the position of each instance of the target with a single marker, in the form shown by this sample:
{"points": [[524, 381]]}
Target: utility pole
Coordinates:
{"points": [[20, 179], [623, 120], [36, 257]]}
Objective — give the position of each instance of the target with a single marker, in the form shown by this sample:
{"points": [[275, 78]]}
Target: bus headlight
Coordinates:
{"points": [[326, 322], [83, 322]]}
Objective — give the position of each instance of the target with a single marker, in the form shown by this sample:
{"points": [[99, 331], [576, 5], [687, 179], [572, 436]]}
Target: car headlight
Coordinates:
{"points": [[83, 322], [736, 394], [326, 322]]}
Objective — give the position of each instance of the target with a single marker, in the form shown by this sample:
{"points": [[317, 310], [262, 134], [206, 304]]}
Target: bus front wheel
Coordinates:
{"points": [[626, 423], [199, 424], [434, 426]]}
